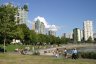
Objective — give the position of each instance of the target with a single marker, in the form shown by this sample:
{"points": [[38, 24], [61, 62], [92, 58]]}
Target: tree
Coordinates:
{"points": [[1, 38], [33, 37], [64, 40], [90, 40], [25, 7], [94, 40], [7, 20], [18, 33], [58, 40], [25, 34], [47, 39], [52, 39]]}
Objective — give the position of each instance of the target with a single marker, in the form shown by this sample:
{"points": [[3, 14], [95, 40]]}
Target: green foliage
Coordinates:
{"points": [[89, 40], [94, 40], [26, 33], [7, 20], [19, 33], [64, 40], [13, 47], [1, 38], [33, 37], [25, 7], [8, 27], [90, 55], [10, 30]]}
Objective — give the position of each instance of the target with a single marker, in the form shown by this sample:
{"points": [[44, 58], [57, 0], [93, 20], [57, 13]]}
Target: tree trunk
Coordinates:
{"points": [[4, 43]]}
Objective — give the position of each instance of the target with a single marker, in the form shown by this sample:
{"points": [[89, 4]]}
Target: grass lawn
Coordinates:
{"points": [[12, 47], [9, 58]]}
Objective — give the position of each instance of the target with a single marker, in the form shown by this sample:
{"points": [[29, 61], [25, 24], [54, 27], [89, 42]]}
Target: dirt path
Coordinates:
{"points": [[68, 46]]}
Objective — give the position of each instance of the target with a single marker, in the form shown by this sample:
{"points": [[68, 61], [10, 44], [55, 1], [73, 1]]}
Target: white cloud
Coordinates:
{"points": [[53, 28], [50, 27], [42, 20]]}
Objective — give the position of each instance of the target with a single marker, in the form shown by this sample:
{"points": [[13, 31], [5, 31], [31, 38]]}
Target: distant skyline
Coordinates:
{"points": [[65, 14]]}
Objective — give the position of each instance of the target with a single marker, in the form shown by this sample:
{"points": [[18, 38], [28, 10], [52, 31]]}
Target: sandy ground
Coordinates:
{"points": [[50, 51]]}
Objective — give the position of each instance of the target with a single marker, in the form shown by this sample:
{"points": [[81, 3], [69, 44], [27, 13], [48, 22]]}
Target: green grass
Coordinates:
{"points": [[9, 58], [12, 47]]}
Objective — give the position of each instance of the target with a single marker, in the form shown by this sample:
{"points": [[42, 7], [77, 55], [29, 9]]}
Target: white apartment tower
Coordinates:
{"points": [[33, 25], [39, 27], [88, 29], [69, 35], [21, 16]]}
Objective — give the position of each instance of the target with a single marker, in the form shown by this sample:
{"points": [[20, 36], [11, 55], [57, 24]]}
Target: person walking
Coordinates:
{"points": [[57, 53], [65, 52], [74, 53]]}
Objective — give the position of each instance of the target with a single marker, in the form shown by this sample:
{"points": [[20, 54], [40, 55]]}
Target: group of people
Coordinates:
{"points": [[23, 51], [74, 53]]}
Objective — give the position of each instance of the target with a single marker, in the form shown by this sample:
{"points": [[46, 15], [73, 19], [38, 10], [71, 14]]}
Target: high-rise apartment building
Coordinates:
{"points": [[42, 28], [39, 27], [21, 16], [81, 31], [52, 30], [88, 29], [69, 35], [76, 35], [64, 35], [94, 35], [33, 25]]}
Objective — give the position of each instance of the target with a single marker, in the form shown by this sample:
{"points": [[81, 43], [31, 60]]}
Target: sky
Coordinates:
{"points": [[64, 14]]}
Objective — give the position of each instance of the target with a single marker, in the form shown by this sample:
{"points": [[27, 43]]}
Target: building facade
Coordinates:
{"points": [[52, 32], [21, 16], [94, 35], [69, 35], [39, 27], [76, 35], [33, 26], [64, 35], [88, 30]]}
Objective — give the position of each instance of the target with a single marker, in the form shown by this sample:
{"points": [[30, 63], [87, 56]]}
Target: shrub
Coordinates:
{"points": [[89, 55], [36, 53]]}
